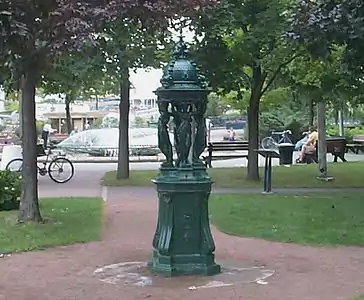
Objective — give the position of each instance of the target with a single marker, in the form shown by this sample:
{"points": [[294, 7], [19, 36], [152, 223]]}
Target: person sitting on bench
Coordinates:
{"points": [[302, 141], [309, 146]]}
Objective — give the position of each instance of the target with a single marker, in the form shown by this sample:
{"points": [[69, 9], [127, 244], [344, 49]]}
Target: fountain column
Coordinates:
{"points": [[183, 243]]}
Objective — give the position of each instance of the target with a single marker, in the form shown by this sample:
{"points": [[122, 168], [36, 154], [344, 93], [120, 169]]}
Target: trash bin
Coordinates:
{"points": [[286, 153], [9, 153]]}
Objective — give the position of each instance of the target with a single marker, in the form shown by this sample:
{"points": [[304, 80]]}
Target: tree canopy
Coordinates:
{"points": [[320, 24], [35, 33], [243, 47]]}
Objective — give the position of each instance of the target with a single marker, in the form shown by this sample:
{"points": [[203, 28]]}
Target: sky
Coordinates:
{"points": [[146, 81]]}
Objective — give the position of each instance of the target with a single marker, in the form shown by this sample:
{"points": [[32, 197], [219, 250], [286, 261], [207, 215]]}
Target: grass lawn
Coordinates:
{"points": [[68, 221], [323, 219], [347, 175]]}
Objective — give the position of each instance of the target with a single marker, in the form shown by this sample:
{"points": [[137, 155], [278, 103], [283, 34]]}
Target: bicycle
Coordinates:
{"points": [[272, 142], [56, 165]]}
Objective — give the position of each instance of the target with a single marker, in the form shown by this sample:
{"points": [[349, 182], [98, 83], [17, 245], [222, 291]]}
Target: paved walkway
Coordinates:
{"points": [[64, 273], [67, 272]]}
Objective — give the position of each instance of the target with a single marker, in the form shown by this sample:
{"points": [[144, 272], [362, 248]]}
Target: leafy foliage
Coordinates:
{"points": [[216, 106], [71, 71], [348, 132], [139, 122], [320, 24], [239, 37], [9, 190], [34, 33], [243, 48], [327, 79]]}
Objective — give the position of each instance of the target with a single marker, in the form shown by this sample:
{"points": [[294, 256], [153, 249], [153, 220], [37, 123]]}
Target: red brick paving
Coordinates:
{"points": [[67, 272]]}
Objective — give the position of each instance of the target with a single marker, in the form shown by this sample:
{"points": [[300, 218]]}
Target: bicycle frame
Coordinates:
{"points": [[43, 170], [281, 136]]}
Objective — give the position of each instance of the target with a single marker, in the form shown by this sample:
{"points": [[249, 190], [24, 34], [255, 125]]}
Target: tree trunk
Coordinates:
{"points": [[20, 100], [253, 123], [311, 112], [97, 102], [341, 122], [321, 129], [68, 113], [336, 116], [253, 133], [124, 105], [29, 206]]}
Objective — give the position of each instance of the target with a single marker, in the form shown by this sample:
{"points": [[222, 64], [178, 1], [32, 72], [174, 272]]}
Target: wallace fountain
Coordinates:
{"points": [[183, 243]]}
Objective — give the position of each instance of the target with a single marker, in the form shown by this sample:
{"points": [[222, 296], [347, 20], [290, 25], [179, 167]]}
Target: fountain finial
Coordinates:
{"points": [[180, 50]]}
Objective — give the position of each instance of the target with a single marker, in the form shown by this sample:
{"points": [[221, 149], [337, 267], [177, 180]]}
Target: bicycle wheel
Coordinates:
{"points": [[269, 143], [15, 165], [59, 167]]}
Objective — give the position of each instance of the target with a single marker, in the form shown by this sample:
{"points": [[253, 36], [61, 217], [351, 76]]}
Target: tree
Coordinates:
{"points": [[131, 42], [102, 85], [243, 48], [328, 81], [33, 33], [126, 44], [72, 72], [320, 24], [216, 106]]}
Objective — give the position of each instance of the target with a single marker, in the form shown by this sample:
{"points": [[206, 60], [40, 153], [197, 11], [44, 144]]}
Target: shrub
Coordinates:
{"points": [[139, 122], [348, 132], [9, 190]]}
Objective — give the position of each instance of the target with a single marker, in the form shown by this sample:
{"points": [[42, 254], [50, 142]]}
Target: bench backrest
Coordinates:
{"points": [[358, 138], [228, 146], [335, 145]]}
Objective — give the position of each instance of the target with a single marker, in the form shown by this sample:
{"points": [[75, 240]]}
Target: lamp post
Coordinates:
{"points": [[183, 243]]}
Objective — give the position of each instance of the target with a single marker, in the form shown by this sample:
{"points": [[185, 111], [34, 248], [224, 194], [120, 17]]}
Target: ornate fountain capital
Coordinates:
{"points": [[182, 73]]}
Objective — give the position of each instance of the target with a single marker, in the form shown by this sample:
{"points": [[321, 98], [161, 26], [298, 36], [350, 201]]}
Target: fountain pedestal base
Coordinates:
{"points": [[183, 243]]}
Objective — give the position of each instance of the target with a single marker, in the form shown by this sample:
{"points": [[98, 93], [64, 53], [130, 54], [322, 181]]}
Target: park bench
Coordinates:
{"points": [[334, 145], [144, 151], [357, 145], [213, 147]]}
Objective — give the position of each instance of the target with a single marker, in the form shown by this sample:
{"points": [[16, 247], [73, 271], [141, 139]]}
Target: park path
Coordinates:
{"points": [[130, 216]]}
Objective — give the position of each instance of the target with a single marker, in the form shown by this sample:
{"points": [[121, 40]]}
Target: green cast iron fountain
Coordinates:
{"points": [[183, 243]]}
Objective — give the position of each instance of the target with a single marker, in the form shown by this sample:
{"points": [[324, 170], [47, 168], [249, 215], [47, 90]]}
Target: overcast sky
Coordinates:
{"points": [[145, 82]]}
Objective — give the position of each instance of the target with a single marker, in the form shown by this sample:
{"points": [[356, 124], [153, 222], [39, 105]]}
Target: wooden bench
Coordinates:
{"points": [[357, 145], [224, 147], [334, 145]]}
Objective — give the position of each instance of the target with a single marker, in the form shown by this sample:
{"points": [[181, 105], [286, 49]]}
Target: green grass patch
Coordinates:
{"points": [[361, 297], [67, 221], [316, 219], [347, 175]]}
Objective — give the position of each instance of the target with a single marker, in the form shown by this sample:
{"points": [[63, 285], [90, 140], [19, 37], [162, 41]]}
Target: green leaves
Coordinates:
{"points": [[9, 190], [327, 78], [320, 24], [240, 37]]}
